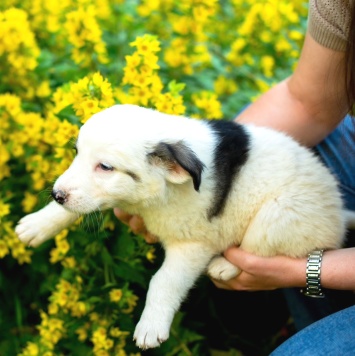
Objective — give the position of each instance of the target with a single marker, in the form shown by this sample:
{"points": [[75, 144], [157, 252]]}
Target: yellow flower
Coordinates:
{"points": [[51, 330], [150, 255], [146, 44], [115, 332], [131, 300], [282, 45], [266, 36], [18, 43], [94, 316], [48, 353], [84, 34], [222, 85], [82, 333], [123, 97], [4, 250], [62, 247], [182, 24], [79, 280], [43, 90], [209, 104], [69, 262], [79, 309], [65, 132], [115, 295], [130, 74], [53, 309], [29, 201], [262, 85], [141, 81], [4, 209], [296, 35], [99, 338], [90, 95], [134, 60], [150, 61], [17, 248], [156, 85], [31, 349], [267, 64], [98, 80], [87, 108], [101, 353], [142, 95], [169, 104], [147, 7]]}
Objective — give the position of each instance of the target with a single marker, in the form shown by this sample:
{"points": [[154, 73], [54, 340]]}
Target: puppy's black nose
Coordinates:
{"points": [[59, 196]]}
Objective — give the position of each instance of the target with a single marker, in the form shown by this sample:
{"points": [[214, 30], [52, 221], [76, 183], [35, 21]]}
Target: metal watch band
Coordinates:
{"points": [[313, 285]]}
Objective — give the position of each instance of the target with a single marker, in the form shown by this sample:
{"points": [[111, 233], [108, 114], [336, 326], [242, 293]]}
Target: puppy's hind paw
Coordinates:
{"points": [[221, 269]]}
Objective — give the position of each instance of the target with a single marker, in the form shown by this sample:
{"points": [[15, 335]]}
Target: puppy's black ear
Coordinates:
{"points": [[180, 161]]}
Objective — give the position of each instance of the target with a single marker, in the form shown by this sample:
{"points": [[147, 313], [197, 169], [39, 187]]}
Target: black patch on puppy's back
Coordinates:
{"points": [[231, 153]]}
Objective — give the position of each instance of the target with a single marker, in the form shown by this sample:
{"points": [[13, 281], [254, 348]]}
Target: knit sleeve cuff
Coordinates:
{"points": [[326, 26]]}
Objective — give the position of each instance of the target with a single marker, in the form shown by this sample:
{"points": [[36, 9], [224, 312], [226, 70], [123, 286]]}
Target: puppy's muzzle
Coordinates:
{"points": [[59, 196]]}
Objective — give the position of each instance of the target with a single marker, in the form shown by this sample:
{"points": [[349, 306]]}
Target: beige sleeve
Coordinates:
{"points": [[329, 22]]}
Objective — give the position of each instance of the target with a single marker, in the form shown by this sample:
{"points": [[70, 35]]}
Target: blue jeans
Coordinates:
{"points": [[334, 333], [337, 151]]}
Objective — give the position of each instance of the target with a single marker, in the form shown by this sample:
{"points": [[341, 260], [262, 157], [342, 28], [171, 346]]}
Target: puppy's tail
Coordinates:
{"points": [[349, 219]]}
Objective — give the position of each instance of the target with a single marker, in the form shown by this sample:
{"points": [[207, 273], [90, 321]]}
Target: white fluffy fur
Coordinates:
{"points": [[283, 201]]}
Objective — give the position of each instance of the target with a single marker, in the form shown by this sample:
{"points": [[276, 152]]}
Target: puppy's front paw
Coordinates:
{"points": [[221, 269], [150, 333], [34, 229]]}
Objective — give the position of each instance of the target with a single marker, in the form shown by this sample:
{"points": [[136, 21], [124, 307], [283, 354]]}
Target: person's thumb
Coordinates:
{"points": [[237, 256]]}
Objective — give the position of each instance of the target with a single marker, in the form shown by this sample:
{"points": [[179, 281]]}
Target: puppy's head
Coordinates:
{"points": [[127, 157]]}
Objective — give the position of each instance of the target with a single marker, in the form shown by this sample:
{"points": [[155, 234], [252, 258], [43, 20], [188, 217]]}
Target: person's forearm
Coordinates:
{"points": [[338, 269], [265, 273], [309, 104], [279, 109]]}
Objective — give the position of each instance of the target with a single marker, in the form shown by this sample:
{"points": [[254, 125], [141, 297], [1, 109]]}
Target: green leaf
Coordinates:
{"points": [[125, 244], [175, 88], [106, 257], [129, 273]]}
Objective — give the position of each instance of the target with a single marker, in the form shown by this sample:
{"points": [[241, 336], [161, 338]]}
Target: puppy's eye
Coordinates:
{"points": [[105, 167]]}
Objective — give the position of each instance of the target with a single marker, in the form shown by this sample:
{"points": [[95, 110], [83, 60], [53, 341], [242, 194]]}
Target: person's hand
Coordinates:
{"points": [[136, 224], [263, 273]]}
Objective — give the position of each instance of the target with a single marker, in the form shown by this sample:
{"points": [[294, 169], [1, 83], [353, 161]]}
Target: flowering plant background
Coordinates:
{"points": [[61, 62]]}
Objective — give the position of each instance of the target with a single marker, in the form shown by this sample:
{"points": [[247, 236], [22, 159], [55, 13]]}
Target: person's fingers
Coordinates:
{"points": [[150, 238], [137, 225], [240, 258], [135, 222], [122, 215], [233, 254], [221, 284]]}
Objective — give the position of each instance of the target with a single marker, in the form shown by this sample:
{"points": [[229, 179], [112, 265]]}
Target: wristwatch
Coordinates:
{"points": [[313, 284]]}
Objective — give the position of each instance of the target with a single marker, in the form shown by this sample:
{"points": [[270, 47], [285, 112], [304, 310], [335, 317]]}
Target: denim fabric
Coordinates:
{"points": [[338, 153], [333, 335]]}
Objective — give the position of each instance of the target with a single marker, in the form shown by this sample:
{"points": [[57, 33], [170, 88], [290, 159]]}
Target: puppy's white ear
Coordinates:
{"points": [[180, 162]]}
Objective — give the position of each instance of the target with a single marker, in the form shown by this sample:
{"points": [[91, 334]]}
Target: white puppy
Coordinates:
{"points": [[200, 186]]}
